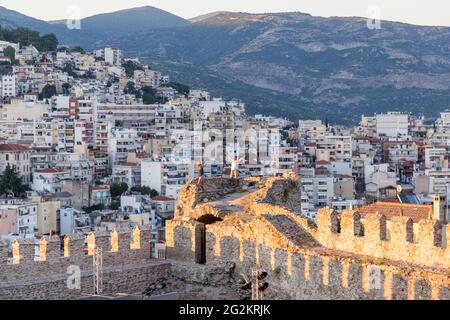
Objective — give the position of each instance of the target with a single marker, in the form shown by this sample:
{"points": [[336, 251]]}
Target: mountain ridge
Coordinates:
{"points": [[298, 65]]}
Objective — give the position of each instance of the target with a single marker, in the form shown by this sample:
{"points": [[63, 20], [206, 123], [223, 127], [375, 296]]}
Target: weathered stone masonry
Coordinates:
{"points": [[342, 257], [125, 271]]}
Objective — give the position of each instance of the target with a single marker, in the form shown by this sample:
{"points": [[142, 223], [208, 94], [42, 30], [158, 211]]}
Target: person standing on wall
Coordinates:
{"points": [[201, 176], [234, 172]]}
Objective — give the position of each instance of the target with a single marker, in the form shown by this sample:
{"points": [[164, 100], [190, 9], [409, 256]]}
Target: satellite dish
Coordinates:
{"points": [[399, 189]]}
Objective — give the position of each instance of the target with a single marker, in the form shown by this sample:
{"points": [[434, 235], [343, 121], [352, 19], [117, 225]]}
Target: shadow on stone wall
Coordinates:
{"points": [[305, 273]]}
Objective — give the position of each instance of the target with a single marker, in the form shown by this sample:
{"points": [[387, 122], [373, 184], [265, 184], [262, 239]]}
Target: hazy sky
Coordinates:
{"points": [[425, 12]]}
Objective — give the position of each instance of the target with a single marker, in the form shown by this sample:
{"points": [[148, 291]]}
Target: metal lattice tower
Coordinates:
{"points": [[256, 294], [97, 261]]}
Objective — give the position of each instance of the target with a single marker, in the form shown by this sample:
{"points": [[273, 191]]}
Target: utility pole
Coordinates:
{"points": [[97, 260], [258, 286]]}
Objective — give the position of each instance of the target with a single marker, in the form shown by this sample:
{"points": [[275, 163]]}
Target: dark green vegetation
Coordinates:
{"points": [[25, 37], [47, 92], [149, 96], [117, 189], [145, 191], [11, 182], [299, 66], [130, 67]]}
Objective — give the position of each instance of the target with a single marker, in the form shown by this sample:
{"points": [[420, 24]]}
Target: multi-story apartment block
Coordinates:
{"points": [[49, 180], [167, 178], [129, 173], [436, 158], [318, 189], [334, 148], [397, 151], [392, 124], [66, 135], [8, 86], [45, 133], [121, 143], [20, 216], [18, 156]]}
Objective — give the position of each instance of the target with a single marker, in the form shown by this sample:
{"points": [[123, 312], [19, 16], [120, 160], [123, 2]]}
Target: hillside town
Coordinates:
{"points": [[99, 141]]}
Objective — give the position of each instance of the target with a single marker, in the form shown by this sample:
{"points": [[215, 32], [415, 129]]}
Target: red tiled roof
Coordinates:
{"points": [[51, 170], [162, 198], [416, 212], [104, 187], [128, 164], [13, 147]]}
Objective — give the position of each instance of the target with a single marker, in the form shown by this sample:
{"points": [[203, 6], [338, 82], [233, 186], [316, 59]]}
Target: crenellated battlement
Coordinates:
{"points": [[349, 255], [52, 255], [399, 238]]}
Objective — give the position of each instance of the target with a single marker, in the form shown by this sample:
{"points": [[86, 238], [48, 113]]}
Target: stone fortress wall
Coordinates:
{"points": [[42, 271], [339, 257]]}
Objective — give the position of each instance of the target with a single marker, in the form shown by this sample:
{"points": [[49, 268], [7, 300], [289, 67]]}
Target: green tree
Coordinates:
{"points": [[66, 88], [78, 49], [130, 67], [95, 207], [149, 96], [48, 42], [69, 69], [130, 88], [10, 52], [145, 191], [181, 88], [115, 205], [117, 189], [89, 75], [48, 91], [11, 182]]}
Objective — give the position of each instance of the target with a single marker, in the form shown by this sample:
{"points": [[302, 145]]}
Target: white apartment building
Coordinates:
{"points": [[8, 86], [149, 78], [434, 182], [403, 151], [319, 190], [334, 148], [45, 133], [113, 56], [66, 135], [129, 173], [25, 212], [49, 180], [121, 143], [20, 109], [311, 131], [6, 44], [167, 178], [442, 134], [138, 116], [133, 203], [78, 167], [392, 124], [285, 159], [72, 220], [18, 156], [436, 158]]}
